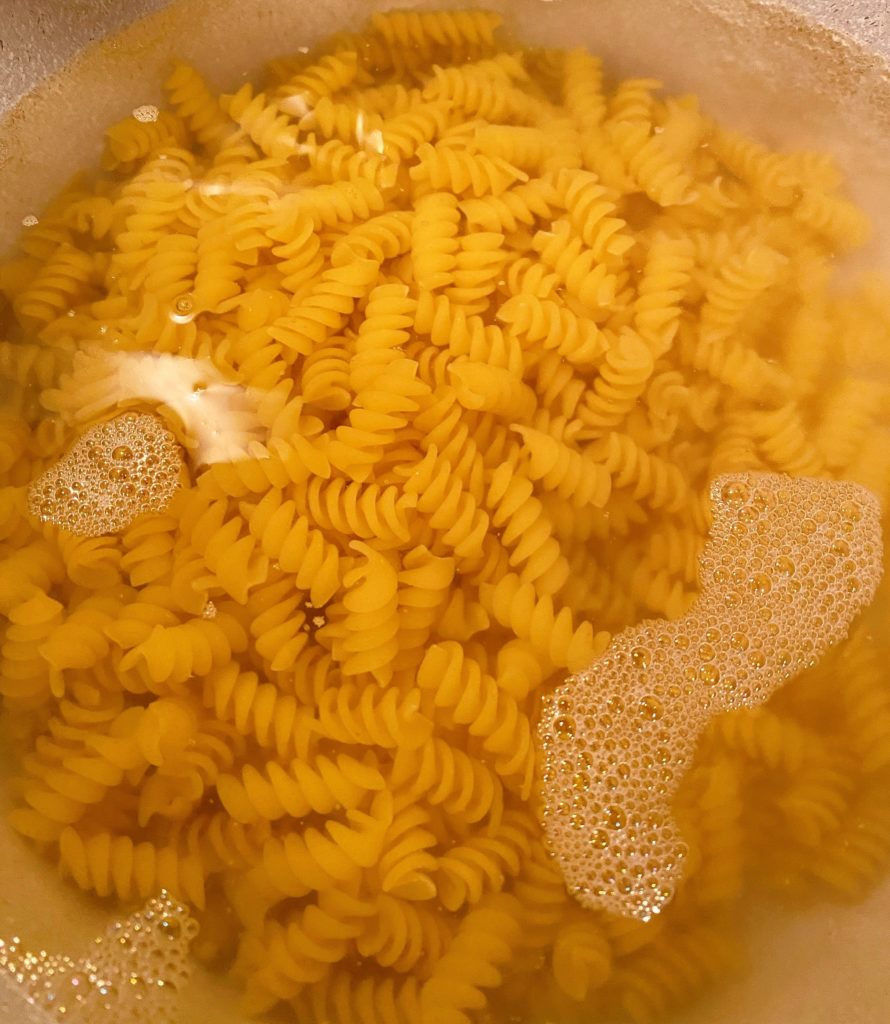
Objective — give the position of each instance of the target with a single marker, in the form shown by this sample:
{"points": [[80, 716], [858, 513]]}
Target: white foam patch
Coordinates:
{"points": [[788, 565], [115, 472], [131, 975]]}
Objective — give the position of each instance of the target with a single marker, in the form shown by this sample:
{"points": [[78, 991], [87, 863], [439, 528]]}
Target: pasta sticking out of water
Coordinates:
{"points": [[788, 566]]}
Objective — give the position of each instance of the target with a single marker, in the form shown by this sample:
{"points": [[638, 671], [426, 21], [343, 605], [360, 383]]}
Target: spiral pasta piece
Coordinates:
{"points": [[475, 701], [196, 105]]}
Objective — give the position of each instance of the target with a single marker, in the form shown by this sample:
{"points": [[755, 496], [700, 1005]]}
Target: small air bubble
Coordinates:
{"points": [[640, 657], [146, 113], [734, 493]]}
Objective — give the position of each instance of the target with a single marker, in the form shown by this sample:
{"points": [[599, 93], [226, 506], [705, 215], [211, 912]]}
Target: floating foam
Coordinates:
{"points": [[114, 473], [132, 974], [788, 565]]}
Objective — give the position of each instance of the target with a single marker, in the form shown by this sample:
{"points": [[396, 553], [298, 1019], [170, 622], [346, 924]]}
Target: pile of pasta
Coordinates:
{"points": [[496, 322]]}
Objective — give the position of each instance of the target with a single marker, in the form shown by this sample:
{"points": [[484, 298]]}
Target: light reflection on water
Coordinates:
{"points": [[218, 417]]}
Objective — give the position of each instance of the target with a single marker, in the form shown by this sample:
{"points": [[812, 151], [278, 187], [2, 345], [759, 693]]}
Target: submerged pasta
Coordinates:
{"points": [[499, 322]]}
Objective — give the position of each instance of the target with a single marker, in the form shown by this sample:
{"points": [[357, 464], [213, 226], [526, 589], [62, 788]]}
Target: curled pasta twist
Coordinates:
{"points": [[434, 244], [231, 556], [767, 738], [480, 864], [383, 719], [110, 864], [425, 583], [676, 964], [582, 88], [783, 441], [484, 942], [521, 205], [330, 74], [837, 219], [340, 119], [263, 121], [660, 483], [274, 719], [815, 800], [364, 634], [718, 853], [64, 280], [633, 100], [130, 141], [402, 135], [493, 389], [325, 377], [658, 306], [441, 167], [591, 210], [739, 368], [278, 625], [406, 863], [378, 239], [322, 859], [299, 252], [196, 105], [520, 146], [849, 415], [360, 510], [731, 294], [551, 633], [325, 309], [403, 935], [527, 531], [335, 161], [650, 164], [288, 538], [769, 175], [584, 278], [582, 958], [171, 655], [559, 468], [445, 775], [391, 999], [624, 375], [477, 267], [556, 328], [297, 789], [851, 861], [453, 511], [342, 202], [474, 700], [31, 623], [866, 702], [464, 33]]}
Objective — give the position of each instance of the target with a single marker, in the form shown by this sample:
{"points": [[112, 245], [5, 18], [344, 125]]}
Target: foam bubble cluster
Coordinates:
{"points": [[132, 974], [788, 565], [114, 473]]}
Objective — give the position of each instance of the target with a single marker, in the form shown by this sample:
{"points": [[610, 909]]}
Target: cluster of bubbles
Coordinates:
{"points": [[133, 973], [146, 113], [115, 472], [788, 565]]}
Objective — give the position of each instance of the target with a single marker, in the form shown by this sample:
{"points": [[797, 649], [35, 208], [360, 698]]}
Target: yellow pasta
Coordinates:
{"points": [[451, 338]]}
